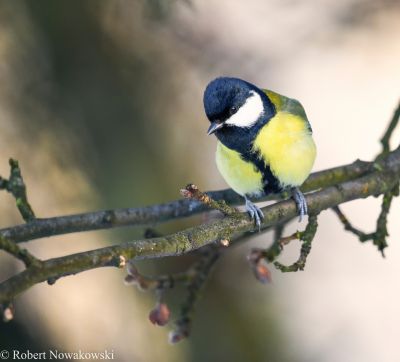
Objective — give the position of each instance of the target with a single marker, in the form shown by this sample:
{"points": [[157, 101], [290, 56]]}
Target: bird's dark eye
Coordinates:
{"points": [[232, 110]]}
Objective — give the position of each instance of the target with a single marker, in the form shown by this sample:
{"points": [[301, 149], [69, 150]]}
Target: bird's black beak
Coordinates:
{"points": [[214, 126]]}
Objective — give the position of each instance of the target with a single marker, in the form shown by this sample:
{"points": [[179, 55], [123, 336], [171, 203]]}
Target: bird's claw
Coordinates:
{"points": [[255, 213], [301, 203]]}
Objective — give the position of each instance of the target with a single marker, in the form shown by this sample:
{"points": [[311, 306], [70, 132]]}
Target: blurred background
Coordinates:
{"points": [[101, 102]]}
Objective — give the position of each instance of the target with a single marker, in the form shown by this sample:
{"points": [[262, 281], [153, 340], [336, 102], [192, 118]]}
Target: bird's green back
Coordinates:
{"points": [[285, 104]]}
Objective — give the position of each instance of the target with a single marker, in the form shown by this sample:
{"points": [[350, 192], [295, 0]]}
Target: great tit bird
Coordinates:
{"points": [[265, 141]]}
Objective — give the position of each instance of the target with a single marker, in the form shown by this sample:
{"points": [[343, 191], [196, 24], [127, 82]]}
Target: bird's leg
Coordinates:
{"points": [[254, 212], [301, 202]]}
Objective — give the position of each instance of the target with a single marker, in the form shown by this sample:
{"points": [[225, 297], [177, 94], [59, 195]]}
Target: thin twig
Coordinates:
{"points": [[161, 282], [380, 234], [385, 140], [258, 257], [278, 232], [15, 185], [191, 191], [306, 236], [22, 254], [200, 272], [362, 236]]}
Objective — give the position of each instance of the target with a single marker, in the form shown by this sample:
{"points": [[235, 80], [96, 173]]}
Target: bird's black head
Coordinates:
{"points": [[235, 106]]}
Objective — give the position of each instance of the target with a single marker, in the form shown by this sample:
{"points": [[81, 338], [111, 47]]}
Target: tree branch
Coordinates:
{"points": [[230, 227], [329, 189], [151, 215]]}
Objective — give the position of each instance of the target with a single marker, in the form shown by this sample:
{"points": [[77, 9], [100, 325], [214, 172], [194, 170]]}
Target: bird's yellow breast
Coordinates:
{"points": [[286, 145], [243, 177]]}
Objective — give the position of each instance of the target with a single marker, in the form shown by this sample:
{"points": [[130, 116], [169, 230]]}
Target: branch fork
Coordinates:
{"points": [[326, 190]]}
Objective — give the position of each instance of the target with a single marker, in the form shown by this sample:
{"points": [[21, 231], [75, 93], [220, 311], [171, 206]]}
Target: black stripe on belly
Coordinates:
{"points": [[270, 183], [241, 140]]}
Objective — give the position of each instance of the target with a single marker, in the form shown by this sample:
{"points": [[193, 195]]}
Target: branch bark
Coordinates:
{"points": [[372, 181], [151, 215]]}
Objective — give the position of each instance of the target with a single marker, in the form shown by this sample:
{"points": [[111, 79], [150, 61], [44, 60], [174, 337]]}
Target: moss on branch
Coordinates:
{"points": [[231, 227], [306, 236], [151, 215], [15, 185], [22, 254]]}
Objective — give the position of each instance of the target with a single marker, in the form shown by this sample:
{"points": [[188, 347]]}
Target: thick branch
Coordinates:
{"points": [[230, 227], [151, 215]]}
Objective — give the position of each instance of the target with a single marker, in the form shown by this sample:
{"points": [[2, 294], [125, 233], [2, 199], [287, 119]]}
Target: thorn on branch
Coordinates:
{"points": [[15, 185], [191, 191]]}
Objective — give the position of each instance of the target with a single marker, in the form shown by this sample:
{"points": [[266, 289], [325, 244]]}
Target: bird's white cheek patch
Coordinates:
{"points": [[249, 113]]}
